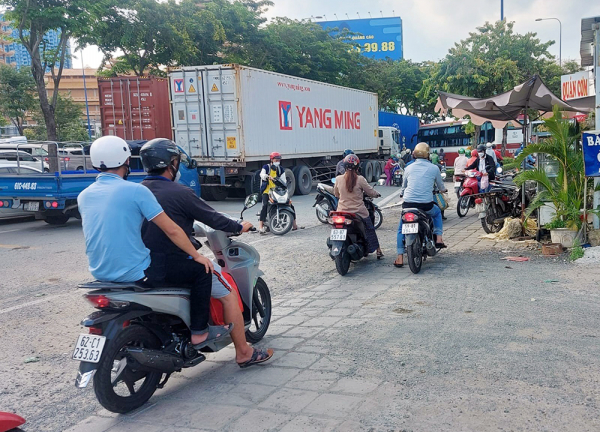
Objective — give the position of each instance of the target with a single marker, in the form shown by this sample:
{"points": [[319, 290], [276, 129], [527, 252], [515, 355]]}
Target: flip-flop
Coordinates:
{"points": [[398, 265], [215, 334], [440, 246], [258, 356], [380, 255]]}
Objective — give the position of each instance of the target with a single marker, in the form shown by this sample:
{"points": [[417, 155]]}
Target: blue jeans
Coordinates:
{"points": [[438, 227]]}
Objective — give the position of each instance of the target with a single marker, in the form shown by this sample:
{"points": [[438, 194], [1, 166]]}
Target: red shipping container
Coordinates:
{"points": [[135, 108]]}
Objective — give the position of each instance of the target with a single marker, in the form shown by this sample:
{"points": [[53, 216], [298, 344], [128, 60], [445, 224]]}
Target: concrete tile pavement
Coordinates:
{"points": [[307, 386]]}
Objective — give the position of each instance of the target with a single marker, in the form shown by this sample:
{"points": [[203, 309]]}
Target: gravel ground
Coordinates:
{"points": [[471, 343]]}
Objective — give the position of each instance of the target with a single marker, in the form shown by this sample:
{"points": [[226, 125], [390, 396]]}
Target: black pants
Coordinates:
{"points": [[177, 270], [265, 206]]}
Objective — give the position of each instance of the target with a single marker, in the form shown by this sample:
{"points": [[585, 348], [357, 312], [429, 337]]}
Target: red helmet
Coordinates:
{"points": [[351, 162], [275, 155], [474, 153]]}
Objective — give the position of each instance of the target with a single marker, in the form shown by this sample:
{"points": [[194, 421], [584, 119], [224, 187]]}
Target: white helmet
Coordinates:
{"points": [[109, 152], [489, 145]]}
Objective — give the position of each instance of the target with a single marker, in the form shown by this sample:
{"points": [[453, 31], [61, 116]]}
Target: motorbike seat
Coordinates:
{"points": [[113, 286], [326, 188]]}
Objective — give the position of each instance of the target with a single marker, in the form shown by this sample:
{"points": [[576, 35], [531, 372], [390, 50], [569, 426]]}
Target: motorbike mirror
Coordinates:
{"points": [[251, 201], [381, 182]]}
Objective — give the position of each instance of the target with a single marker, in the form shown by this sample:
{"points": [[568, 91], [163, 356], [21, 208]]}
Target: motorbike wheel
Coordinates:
{"points": [[326, 207], [378, 218], [261, 312], [491, 228], [415, 256], [463, 205], [281, 224], [118, 387], [342, 263]]}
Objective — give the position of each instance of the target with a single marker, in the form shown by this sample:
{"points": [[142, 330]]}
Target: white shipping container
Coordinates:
{"points": [[232, 113]]}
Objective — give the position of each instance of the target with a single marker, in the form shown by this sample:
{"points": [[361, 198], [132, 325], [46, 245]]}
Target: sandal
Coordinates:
{"points": [[379, 255], [297, 228], [440, 246], [399, 265], [215, 334], [258, 356]]}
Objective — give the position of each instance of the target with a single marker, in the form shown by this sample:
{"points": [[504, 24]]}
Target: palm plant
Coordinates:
{"points": [[566, 191]]}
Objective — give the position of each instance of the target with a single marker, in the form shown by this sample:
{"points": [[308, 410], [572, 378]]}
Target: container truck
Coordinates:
{"points": [[229, 118], [135, 108], [408, 127]]}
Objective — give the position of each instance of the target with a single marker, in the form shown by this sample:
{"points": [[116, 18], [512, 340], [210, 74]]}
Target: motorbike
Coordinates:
{"points": [[326, 202], [502, 201], [139, 336], [280, 213], [468, 188], [397, 176], [10, 422], [417, 227], [347, 241]]}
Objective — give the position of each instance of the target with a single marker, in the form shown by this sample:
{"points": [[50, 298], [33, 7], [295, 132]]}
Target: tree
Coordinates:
{"points": [[490, 61], [69, 124], [17, 90]]}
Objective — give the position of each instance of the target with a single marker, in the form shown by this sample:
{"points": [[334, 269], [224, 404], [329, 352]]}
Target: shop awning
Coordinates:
{"points": [[505, 107]]}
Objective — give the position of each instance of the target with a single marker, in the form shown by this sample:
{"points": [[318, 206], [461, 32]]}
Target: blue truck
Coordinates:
{"points": [[408, 126], [53, 196]]}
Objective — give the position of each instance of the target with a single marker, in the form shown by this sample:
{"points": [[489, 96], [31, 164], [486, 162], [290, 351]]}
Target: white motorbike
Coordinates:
{"points": [[139, 336]]}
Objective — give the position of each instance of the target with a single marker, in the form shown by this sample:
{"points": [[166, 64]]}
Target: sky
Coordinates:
{"points": [[431, 27]]}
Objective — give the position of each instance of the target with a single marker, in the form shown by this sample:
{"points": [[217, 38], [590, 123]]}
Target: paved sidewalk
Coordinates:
{"points": [[342, 351]]}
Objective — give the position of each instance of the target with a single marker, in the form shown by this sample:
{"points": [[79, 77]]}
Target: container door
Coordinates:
{"points": [[113, 108], [222, 114], [188, 111]]}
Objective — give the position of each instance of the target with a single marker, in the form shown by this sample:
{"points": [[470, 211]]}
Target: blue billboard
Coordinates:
{"points": [[378, 38]]}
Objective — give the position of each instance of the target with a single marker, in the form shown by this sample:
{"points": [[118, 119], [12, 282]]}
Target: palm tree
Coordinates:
{"points": [[566, 191]]}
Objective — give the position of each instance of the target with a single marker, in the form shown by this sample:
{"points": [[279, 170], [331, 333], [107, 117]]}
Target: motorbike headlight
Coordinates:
{"points": [[281, 199]]}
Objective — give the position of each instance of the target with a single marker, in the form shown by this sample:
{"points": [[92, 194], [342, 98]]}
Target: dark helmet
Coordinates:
{"points": [[348, 152], [158, 154], [481, 148], [351, 162]]}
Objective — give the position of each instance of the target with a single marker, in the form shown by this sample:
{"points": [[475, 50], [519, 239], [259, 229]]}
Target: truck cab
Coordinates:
{"points": [[389, 140]]}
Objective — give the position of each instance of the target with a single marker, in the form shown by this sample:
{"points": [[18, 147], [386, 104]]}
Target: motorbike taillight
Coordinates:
{"points": [[338, 220], [505, 198], [409, 217], [478, 200]]}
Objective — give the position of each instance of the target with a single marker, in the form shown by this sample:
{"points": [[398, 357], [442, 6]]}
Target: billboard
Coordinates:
{"points": [[576, 86], [378, 38]]}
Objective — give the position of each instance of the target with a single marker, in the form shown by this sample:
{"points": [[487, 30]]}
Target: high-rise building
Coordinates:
{"points": [[15, 53]]}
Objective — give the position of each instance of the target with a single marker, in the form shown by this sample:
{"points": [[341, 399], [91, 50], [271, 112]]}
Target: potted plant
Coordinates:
{"points": [[565, 190]]}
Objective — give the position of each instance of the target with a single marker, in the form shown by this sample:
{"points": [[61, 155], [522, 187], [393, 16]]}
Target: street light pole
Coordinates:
{"points": [[559, 37], [87, 107]]}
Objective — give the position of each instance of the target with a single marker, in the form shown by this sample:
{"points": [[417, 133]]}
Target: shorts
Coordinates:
{"points": [[220, 287]]}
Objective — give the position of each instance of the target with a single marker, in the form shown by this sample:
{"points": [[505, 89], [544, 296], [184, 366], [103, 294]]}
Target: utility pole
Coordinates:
{"points": [[559, 37], [501, 10]]}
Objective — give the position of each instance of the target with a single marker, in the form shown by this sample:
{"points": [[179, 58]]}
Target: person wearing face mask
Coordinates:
{"points": [[484, 164], [161, 159]]}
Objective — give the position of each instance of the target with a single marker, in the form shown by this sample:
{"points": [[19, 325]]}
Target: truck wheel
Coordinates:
{"points": [[214, 193], [59, 219], [252, 183], [303, 180], [368, 172], [376, 171], [291, 181]]}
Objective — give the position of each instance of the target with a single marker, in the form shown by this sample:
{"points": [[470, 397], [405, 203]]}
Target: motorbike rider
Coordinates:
{"points": [[389, 166], [460, 162], [161, 159], [339, 168], [473, 158], [490, 151], [435, 158], [112, 213], [442, 157], [499, 157], [420, 178], [484, 164], [350, 188], [268, 174]]}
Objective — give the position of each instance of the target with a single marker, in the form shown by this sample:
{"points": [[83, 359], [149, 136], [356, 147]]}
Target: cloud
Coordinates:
{"points": [[431, 27]]}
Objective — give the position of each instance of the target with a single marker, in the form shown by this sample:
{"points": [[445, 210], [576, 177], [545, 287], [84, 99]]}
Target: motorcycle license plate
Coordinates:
{"points": [[457, 184], [32, 206], [89, 348], [410, 228], [338, 234]]}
